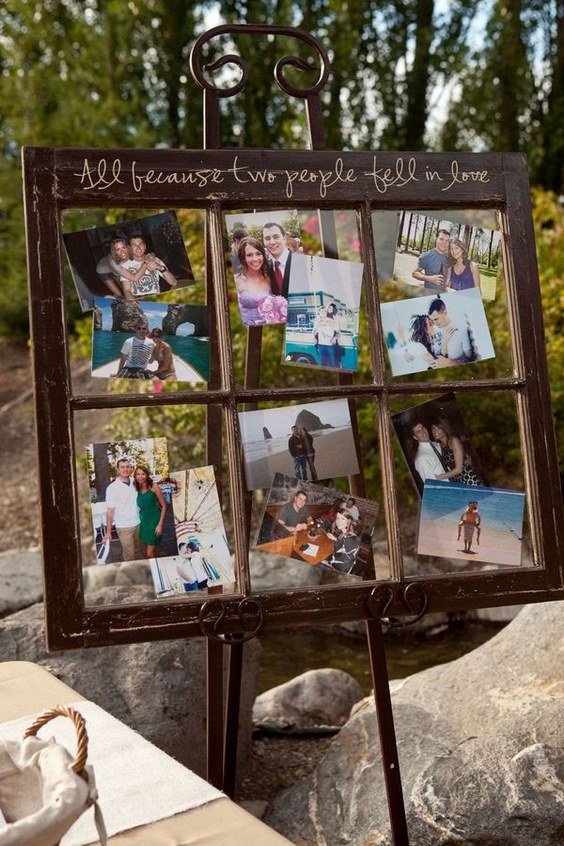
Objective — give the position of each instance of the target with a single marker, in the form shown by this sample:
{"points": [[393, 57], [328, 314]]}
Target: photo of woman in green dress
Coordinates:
{"points": [[152, 509]]}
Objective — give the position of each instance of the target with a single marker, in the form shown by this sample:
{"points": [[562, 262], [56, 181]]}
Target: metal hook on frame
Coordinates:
{"points": [[412, 596], [213, 612]]}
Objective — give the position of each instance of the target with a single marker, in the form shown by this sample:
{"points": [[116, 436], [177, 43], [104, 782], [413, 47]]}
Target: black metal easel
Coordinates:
{"points": [[224, 775]]}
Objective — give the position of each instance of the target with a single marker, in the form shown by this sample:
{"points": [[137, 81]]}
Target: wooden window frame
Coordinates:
{"points": [[59, 179]]}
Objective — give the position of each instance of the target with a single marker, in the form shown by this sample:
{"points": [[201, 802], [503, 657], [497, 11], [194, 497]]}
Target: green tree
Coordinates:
{"points": [[107, 73], [511, 91]]}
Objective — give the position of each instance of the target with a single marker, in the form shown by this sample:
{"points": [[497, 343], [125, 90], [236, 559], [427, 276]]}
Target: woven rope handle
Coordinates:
{"points": [[79, 724]]}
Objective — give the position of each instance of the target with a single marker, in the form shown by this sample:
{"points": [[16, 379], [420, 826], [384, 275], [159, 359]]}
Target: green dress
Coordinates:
{"points": [[149, 516]]}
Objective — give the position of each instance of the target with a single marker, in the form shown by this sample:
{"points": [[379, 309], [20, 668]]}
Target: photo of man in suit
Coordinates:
{"points": [[274, 240]]}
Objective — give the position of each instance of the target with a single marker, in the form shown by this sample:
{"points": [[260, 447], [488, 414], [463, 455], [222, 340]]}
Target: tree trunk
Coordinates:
{"points": [[418, 78]]}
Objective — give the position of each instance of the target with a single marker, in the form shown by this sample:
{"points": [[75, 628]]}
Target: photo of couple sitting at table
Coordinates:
{"points": [[128, 260], [319, 526], [442, 256], [262, 246], [430, 333]]}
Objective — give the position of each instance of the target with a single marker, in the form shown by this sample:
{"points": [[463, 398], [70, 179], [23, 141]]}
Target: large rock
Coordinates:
{"points": [[480, 744], [275, 572], [21, 582], [310, 421], [157, 688], [126, 314], [97, 577], [315, 698]]}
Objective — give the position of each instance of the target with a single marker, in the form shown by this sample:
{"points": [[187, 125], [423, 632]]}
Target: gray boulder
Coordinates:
{"points": [[128, 573], [275, 572], [157, 688], [480, 744], [21, 580], [315, 698]]}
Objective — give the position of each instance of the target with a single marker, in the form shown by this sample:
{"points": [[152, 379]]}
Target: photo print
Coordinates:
{"points": [[130, 260], [323, 313], [435, 255], [434, 332], [262, 246], [436, 444], [320, 526], [147, 339], [130, 514], [203, 558], [471, 524], [309, 441]]}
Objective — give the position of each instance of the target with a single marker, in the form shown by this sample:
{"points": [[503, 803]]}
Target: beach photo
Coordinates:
{"points": [[150, 340], [308, 441], [436, 443], [435, 332], [320, 526], [204, 559], [323, 313], [130, 514], [471, 524], [444, 256], [129, 260]]}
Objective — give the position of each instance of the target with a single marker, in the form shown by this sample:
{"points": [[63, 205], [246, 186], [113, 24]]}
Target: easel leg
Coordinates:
{"points": [[214, 697], [234, 681], [387, 733]]}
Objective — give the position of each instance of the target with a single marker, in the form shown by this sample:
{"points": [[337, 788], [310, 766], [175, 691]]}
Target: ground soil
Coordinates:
{"points": [[273, 763], [18, 494]]}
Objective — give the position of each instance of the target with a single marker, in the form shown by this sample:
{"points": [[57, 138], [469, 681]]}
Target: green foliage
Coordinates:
{"points": [[107, 73], [548, 217], [511, 89]]}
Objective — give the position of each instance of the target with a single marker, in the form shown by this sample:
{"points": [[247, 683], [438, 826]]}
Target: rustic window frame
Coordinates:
{"points": [[59, 179]]}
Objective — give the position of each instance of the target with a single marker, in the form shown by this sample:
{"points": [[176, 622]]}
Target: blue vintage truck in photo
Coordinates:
{"points": [[301, 348]]}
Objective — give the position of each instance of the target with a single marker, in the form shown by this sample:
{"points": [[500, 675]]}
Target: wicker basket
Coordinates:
{"points": [[43, 790]]}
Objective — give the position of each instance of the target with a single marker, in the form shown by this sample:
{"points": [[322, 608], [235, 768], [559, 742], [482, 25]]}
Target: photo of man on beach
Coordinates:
{"points": [[471, 525], [309, 441]]}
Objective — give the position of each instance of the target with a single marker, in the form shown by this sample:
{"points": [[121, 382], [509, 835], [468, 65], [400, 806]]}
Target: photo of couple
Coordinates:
{"points": [[131, 516], [262, 245], [313, 440], [436, 444], [320, 526], [129, 260], [436, 331], [203, 559], [471, 525], [167, 342], [323, 313], [442, 256]]}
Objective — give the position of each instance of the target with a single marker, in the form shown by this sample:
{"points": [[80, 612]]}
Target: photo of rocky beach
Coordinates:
{"points": [[271, 442]]}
